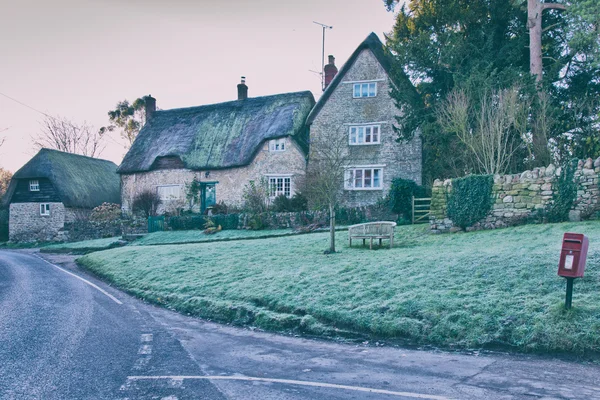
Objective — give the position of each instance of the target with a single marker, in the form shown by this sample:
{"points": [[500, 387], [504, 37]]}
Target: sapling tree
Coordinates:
{"points": [[325, 175]]}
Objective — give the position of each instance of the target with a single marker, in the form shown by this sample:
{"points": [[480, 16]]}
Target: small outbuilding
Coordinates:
{"points": [[55, 188]]}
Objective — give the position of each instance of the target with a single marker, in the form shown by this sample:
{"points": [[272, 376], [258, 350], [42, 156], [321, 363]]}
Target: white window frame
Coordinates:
{"points": [[354, 133], [353, 173], [277, 145], [170, 197], [45, 209], [364, 89], [34, 185], [273, 180]]}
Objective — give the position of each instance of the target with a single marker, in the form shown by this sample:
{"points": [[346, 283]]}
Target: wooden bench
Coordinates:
{"points": [[372, 230]]}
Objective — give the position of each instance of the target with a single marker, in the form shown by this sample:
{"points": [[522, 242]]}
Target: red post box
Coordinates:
{"points": [[573, 255]]}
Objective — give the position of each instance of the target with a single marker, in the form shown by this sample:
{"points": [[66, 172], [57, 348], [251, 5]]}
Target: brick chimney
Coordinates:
{"points": [[330, 71], [150, 105], [242, 89]]}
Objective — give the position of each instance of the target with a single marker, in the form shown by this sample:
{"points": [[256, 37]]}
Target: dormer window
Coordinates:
{"points": [[277, 145], [365, 89], [34, 186]]}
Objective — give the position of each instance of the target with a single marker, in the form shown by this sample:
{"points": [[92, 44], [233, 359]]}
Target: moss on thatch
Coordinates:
{"points": [[80, 181], [222, 135]]}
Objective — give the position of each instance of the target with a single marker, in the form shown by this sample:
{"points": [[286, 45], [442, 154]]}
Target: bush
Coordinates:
{"points": [[106, 212], [299, 202], [296, 203], [219, 208], [564, 195], [470, 199], [196, 221], [255, 197], [146, 202], [3, 225], [400, 197]]}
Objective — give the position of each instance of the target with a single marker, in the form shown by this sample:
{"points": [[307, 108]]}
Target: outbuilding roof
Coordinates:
{"points": [[80, 181], [223, 135]]}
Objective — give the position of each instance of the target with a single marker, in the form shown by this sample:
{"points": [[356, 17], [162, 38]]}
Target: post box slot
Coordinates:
{"points": [[572, 241]]}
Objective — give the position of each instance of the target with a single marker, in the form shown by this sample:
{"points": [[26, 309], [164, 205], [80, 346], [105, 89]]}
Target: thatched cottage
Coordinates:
{"points": [[55, 188], [357, 102], [221, 147]]}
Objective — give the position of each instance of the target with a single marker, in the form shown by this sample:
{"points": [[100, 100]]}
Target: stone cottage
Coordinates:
{"points": [[357, 102], [55, 188], [221, 147]]}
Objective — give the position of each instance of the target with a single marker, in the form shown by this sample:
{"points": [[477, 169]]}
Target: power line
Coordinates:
{"points": [[50, 116]]}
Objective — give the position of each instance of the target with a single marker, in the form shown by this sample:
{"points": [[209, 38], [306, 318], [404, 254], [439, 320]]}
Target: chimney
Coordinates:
{"points": [[242, 89], [150, 103], [330, 71]]}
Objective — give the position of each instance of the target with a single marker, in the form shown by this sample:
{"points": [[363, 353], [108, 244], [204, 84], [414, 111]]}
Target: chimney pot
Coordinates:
{"points": [[242, 89], [330, 71], [150, 106]]}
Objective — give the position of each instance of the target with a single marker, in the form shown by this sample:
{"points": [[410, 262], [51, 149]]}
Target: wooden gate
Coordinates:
{"points": [[156, 224], [420, 210]]}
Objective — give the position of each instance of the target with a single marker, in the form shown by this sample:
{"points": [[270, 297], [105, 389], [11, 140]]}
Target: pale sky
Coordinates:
{"points": [[78, 58]]}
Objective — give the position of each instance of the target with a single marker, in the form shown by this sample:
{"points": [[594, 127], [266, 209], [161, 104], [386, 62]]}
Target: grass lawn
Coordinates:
{"points": [[197, 236], [467, 290], [83, 247]]}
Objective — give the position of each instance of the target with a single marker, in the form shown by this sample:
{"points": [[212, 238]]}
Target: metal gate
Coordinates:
{"points": [[420, 210], [156, 224]]}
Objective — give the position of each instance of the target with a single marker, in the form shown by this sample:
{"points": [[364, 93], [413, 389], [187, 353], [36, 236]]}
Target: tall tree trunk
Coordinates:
{"points": [[331, 229], [535, 9], [534, 23]]}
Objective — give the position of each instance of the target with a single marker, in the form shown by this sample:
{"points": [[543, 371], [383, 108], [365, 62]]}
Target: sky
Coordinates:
{"points": [[77, 58]]}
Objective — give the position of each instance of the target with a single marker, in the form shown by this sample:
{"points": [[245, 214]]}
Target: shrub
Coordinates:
{"points": [[146, 202], [3, 225], [299, 202], [219, 208], [470, 199], [255, 197], [400, 197], [564, 195], [106, 212], [282, 203], [196, 221]]}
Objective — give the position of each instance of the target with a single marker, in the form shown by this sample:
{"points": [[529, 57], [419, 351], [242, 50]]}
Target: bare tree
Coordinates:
{"points": [[64, 135], [325, 175], [492, 132], [5, 177]]}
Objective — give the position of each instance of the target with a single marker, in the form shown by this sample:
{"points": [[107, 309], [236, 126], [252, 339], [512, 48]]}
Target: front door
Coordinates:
{"points": [[208, 195]]}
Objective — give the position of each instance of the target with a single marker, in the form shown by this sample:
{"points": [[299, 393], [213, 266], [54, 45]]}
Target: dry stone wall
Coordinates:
{"points": [[516, 197]]}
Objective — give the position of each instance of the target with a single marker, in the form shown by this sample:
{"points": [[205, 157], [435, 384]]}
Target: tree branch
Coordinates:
{"points": [[554, 6]]}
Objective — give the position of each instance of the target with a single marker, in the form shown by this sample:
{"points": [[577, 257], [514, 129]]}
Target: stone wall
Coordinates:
{"points": [[232, 181], [82, 229], [516, 197], [27, 225], [398, 160]]}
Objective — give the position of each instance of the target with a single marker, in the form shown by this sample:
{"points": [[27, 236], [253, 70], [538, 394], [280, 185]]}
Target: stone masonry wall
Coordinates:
{"points": [[398, 160], [231, 181], [517, 196], [27, 225]]}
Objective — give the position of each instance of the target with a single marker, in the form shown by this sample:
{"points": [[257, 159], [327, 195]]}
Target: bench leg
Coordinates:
{"points": [[350, 240], [371, 244], [364, 242], [391, 241], [380, 242]]}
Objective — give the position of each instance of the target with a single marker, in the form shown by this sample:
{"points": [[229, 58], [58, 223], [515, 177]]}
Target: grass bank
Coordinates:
{"points": [[82, 247], [468, 290]]}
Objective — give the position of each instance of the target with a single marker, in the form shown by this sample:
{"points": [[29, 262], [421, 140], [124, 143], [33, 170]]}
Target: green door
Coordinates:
{"points": [[208, 195]]}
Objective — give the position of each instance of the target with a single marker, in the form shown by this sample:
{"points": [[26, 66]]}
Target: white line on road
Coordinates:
{"points": [[110, 296], [292, 382]]}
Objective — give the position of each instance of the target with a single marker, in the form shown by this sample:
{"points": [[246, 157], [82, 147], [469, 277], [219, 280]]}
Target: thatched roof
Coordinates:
{"points": [[222, 135], [81, 182], [381, 53]]}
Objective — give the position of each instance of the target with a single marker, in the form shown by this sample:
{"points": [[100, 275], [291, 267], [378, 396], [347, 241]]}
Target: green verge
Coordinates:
{"points": [[484, 289], [82, 247]]}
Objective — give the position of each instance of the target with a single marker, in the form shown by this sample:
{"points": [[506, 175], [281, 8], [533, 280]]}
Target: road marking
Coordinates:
{"points": [[291, 382], [147, 337], [110, 296], [145, 349]]}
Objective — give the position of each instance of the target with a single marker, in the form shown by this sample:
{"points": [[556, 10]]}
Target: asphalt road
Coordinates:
{"points": [[66, 335]]}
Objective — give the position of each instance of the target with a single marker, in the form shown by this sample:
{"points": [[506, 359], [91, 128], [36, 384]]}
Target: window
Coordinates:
{"points": [[363, 178], [45, 209], [169, 192], [34, 186], [277, 145], [368, 89], [280, 186], [367, 134]]}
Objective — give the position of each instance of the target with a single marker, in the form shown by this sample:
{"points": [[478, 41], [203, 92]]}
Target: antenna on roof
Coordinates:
{"points": [[323, 53]]}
